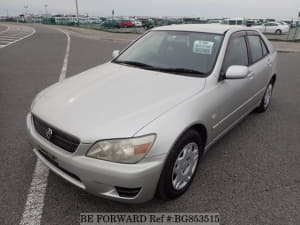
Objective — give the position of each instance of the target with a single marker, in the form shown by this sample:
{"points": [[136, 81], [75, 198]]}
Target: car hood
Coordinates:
{"points": [[112, 100]]}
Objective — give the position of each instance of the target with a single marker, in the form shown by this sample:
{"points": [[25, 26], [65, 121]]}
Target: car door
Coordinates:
{"points": [[260, 63], [264, 28], [272, 28], [267, 28], [233, 95]]}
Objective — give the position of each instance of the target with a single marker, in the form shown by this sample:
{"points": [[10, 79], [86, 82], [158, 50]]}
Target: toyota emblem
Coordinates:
{"points": [[49, 133]]}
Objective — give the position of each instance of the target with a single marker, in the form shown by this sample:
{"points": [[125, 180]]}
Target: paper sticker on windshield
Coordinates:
{"points": [[203, 47]]}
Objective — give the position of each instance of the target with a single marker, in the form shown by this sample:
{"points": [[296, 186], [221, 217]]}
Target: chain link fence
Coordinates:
{"points": [[293, 34], [119, 25], [274, 30]]}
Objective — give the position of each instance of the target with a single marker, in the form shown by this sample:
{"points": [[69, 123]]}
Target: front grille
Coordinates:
{"points": [[59, 138]]}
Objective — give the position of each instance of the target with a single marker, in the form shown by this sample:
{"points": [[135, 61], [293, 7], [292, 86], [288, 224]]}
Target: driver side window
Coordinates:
{"points": [[236, 53]]}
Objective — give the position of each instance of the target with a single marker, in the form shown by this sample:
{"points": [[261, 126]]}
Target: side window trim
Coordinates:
{"points": [[262, 42], [249, 50], [262, 49], [234, 35]]}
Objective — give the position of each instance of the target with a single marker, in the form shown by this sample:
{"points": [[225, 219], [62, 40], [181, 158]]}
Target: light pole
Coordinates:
{"points": [[46, 11], [112, 19], [26, 13], [77, 18], [26, 8]]}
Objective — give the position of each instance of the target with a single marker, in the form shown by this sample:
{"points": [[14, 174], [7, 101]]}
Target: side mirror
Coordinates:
{"points": [[115, 53], [237, 72]]}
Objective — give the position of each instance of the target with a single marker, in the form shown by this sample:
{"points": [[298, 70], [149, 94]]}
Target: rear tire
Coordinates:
{"points": [[180, 166], [265, 102], [278, 32]]}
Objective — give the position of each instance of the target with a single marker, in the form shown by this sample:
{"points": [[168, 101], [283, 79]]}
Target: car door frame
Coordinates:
{"points": [[259, 79], [227, 116]]}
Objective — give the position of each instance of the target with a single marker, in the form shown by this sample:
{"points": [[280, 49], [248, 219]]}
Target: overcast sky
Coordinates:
{"points": [[193, 8]]}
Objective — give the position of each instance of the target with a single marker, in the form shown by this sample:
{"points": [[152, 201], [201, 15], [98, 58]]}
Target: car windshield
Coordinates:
{"points": [[179, 52]]}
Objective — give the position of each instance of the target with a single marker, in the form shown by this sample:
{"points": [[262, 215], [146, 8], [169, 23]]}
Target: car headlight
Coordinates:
{"points": [[129, 150]]}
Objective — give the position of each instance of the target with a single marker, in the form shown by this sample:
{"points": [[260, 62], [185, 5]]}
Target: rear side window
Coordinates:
{"points": [[236, 54], [255, 48]]}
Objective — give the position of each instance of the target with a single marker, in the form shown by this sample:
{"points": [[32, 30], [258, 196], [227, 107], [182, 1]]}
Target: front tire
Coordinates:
{"points": [[265, 102], [278, 32], [180, 166]]}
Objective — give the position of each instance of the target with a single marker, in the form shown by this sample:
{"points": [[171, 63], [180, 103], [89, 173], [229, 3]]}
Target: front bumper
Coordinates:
{"points": [[99, 177]]}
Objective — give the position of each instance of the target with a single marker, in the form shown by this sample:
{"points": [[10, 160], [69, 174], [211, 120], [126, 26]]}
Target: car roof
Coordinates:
{"points": [[207, 28]]}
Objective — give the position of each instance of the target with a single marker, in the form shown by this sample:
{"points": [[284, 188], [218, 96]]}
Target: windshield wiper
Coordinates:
{"points": [[134, 63], [161, 69], [181, 70]]}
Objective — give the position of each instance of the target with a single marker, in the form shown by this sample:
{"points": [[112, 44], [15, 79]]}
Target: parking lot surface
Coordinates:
{"points": [[14, 33], [3, 28], [251, 176]]}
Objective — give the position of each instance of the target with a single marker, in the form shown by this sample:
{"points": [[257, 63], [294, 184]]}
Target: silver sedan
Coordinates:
{"points": [[137, 126]]}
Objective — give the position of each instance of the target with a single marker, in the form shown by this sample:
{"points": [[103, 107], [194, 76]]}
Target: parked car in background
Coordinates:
{"points": [[252, 22], [273, 28], [234, 21], [215, 21], [291, 23], [269, 20], [137, 126], [111, 24], [147, 23], [126, 23], [282, 23], [137, 23]]}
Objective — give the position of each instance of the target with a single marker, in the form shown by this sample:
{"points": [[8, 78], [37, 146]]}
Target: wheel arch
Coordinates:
{"points": [[200, 128], [273, 78]]}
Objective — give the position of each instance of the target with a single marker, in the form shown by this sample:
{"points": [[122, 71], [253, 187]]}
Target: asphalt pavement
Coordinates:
{"points": [[14, 33], [2, 28], [251, 176], [27, 67]]}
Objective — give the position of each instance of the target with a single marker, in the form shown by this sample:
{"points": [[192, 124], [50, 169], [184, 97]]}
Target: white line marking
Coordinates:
{"points": [[5, 42], [34, 205], [11, 37], [33, 211], [20, 38], [64, 68], [8, 38], [7, 28]]}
